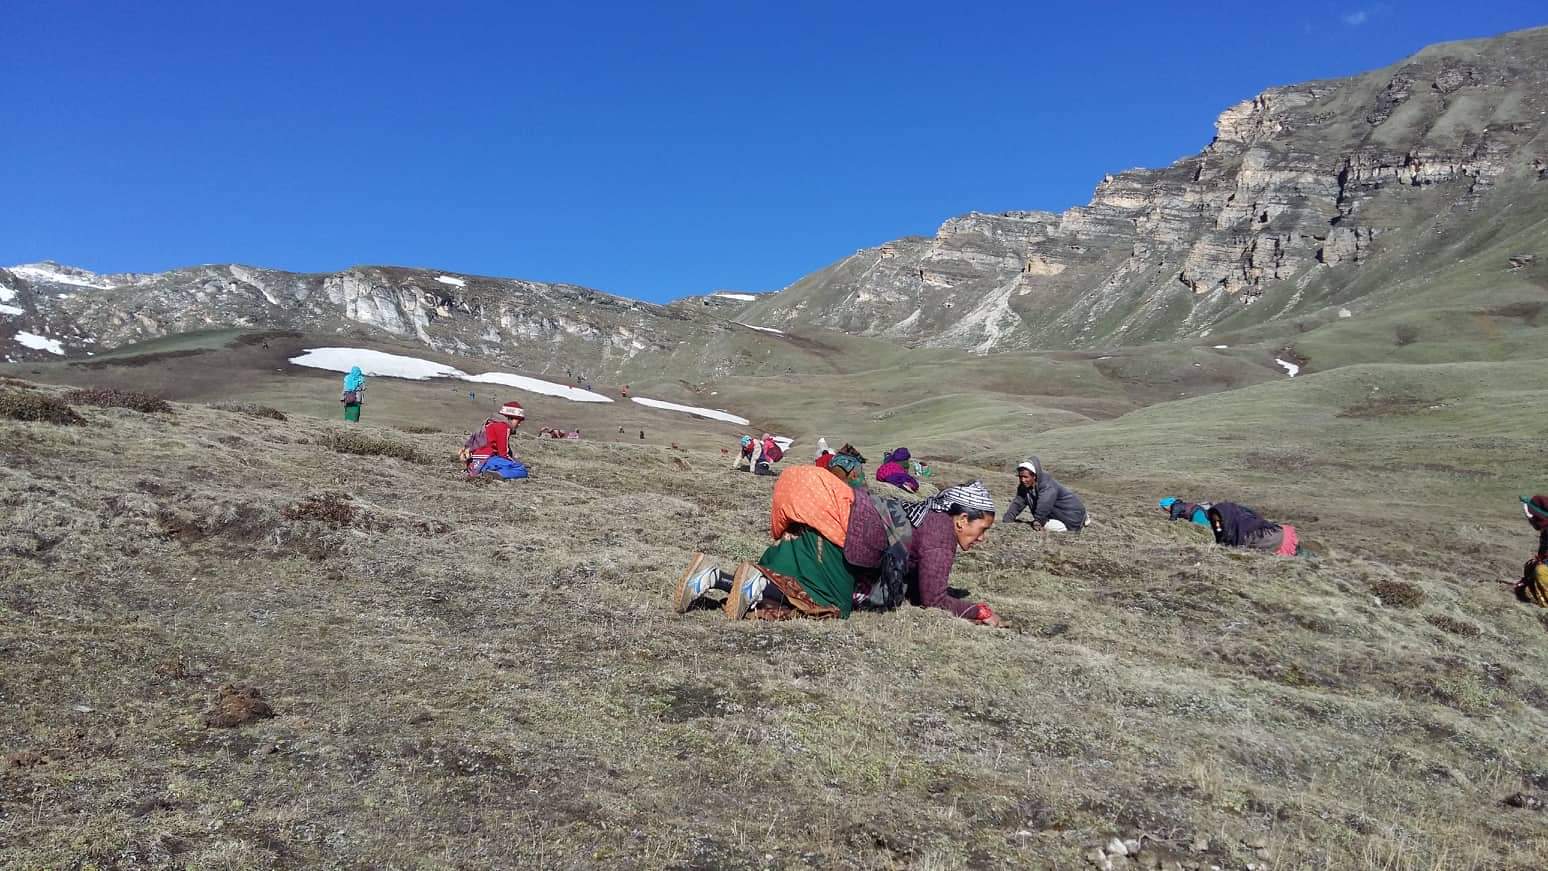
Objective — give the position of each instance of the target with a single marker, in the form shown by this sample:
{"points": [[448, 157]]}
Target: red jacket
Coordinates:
{"points": [[499, 434]]}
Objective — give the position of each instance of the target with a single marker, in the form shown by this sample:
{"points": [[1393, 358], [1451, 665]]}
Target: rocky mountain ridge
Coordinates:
{"points": [[1300, 187], [52, 310], [1303, 190]]}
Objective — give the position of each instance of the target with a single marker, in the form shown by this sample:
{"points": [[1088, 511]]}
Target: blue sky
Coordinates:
{"points": [[650, 150]]}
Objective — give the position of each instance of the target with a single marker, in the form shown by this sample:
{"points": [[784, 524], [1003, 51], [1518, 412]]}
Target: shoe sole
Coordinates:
{"points": [[736, 606], [682, 601]]}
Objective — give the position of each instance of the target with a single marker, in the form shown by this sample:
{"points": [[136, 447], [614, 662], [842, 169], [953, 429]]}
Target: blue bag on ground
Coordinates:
{"points": [[504, 468]]}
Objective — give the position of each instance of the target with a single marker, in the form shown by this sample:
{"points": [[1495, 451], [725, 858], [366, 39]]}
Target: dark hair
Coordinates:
{"points": [[971, 514]]}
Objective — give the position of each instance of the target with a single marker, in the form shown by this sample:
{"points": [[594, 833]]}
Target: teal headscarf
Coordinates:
{"points": [[355, 379], [844, 463]]}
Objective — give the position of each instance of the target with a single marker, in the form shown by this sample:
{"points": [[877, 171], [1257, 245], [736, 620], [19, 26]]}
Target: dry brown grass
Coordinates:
{"points": [[108, 397], [367, 445], [491, 677], [251, 409]]}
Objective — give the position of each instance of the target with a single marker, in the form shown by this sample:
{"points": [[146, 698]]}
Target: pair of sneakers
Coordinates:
{"points": [[704, 574]]}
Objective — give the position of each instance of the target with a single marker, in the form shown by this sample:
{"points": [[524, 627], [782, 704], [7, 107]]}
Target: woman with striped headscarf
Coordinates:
{"points": [[809, 571]]}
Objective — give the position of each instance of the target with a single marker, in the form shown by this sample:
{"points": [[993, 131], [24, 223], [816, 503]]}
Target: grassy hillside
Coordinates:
{"points": [[481, 674]]}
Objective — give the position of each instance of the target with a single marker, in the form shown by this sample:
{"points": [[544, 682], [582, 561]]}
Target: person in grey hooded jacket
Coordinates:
{"points": [[1054, 506]]}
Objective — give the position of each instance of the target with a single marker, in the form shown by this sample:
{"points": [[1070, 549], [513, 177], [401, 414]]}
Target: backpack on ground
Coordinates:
{"points": [[891, 587]]}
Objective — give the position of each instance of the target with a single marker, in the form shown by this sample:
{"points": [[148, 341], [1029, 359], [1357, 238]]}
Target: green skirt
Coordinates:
{"points": [[351, 412], [818, 565]]}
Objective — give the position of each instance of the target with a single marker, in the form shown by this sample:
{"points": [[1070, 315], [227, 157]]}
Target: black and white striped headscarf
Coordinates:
{"points": [[973, 496]]}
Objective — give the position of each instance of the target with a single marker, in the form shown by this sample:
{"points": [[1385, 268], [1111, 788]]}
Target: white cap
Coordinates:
{"points": [[512, 409]]}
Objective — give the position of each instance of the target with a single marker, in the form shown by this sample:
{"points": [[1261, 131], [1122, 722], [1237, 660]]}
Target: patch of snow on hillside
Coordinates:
{"points": [[375, 363], [710, 413], [1221, 347], [47, 272], [744, 297], [40, 343], [10, 310], [760, 329], [535, 385], [447, 279], [6, 294], [1290, 367]]}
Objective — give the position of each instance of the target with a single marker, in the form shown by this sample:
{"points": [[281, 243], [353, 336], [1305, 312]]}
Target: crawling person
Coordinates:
{"points": [[488, 450], [1054, 507], [1533, 586], [807, 571], [1239, 526], [1193, 512]]}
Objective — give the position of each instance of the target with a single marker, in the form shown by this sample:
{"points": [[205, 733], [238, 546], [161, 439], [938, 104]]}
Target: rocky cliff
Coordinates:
{"points": [[1301, 187]]}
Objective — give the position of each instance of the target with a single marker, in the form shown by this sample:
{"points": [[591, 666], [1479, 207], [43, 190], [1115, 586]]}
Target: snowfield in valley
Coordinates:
{"points": [[711, 413]]}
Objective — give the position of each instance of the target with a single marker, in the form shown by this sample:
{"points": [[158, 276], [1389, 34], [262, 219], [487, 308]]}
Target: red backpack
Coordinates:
{"points": [[772, 452]]}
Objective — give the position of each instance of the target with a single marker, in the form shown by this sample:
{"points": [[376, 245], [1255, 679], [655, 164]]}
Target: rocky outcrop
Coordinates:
{"points": [[1300, 188]]}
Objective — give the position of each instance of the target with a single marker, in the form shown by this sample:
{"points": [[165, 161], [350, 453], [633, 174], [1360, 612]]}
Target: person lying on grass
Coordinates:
{"points": [[1054, 507], [825, 529], [1239, 526], [1533, 586]]}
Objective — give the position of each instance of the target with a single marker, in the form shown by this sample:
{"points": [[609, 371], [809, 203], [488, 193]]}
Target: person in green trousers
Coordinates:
{"points": [[353, 395]]}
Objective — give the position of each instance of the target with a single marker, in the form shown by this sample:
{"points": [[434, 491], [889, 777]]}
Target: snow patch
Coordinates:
{"points": [[6, 294], [381, 364], [1290, 367], [375, 363], [447, 279], [535, 385], [10, 310], [1345, 313], [744, 297], [712, 414], [1221, 347], [760, 329], [40, 343], [59, 275]]}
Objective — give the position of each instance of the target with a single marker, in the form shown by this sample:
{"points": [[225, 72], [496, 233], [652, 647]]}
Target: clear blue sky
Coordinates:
{"points": [[651, 150]]}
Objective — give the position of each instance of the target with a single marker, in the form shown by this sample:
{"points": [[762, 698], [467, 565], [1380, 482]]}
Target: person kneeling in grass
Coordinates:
{"points": [[1054, 506], [805, 572], [1533, 586], [488, 450]]}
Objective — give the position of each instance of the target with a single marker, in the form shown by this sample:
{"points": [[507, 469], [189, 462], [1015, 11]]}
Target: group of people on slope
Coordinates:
{"points": [[838, 547]]}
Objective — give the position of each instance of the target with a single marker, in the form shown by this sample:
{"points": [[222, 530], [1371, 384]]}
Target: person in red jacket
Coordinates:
{"points": [[489, 450]]}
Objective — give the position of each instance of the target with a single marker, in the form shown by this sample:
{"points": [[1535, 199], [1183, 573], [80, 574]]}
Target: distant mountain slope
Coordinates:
{"points": [[51, 311], [1302, 188]]}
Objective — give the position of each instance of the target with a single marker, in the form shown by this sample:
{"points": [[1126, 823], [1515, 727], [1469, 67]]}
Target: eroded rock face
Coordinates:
{"points": [[1298, 189]]}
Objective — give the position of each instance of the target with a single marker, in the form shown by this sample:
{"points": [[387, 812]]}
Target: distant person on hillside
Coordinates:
{"points": [[805, 573], [1193, 512], [894, 470], [488, 450], [1533, 586], [1054, 507], [353, 394], [1239, 526]]}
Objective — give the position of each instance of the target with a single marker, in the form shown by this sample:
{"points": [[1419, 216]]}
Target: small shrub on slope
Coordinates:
{"points": [[371, 446], [1397, 594], [252, 409], [17, 405], [107, 397]]}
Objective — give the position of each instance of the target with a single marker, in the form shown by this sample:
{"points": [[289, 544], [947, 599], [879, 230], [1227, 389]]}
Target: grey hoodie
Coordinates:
{"points": [[1047, 499]]}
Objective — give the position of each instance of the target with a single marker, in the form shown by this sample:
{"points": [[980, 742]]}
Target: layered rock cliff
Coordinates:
{"points": [[1301, 186]]}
